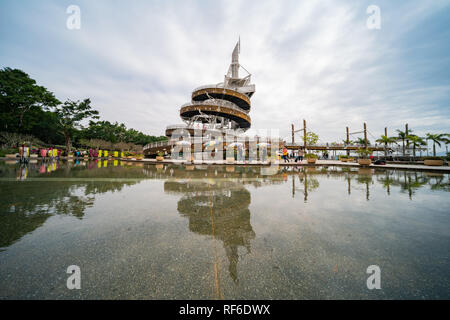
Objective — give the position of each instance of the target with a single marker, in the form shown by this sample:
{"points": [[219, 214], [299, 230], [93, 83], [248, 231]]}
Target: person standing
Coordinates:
{"points": [[240, 153], [300, 155], [43, 154], [21, 153], [264, 154], [285, 153]]}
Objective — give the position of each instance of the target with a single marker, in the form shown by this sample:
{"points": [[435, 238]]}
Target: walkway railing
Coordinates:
{"points": [[218, 103]]}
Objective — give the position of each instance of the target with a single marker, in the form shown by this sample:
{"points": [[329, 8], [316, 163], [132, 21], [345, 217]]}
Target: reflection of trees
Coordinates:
{"points": [[307, 181], [439, 182], [25, 205], [219, 209], [365, 177], [407, 182], [70, 190]]}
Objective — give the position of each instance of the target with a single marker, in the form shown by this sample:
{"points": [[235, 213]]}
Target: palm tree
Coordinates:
{"points": [[416, 141], [361, 141], [437, 138], [402, 135], [350, 142], [387, 141]]}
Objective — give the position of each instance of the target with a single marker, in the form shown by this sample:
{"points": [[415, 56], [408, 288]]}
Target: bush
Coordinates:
{"points": [[433, 158], [364, 153], [311, 156], [4, 152]]}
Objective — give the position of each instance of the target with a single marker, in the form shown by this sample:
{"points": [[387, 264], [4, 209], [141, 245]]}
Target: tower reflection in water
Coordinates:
{"points": [[218, 208]]}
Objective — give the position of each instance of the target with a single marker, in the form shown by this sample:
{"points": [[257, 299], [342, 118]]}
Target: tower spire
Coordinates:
{"points": [[235, 60]]}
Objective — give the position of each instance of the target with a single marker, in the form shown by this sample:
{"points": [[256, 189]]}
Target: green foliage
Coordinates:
{"points": [[4, 152], [20, 95], [29, 109], [437, 138], [350, 142], [362, 142], [311, 138], [115, 133], [24, 107], [311, 156], [12, 139], [386, 140], [433, 158], [70, 114], [364, 153]]}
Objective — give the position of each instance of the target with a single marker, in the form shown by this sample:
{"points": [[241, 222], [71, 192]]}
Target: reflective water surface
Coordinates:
{"points": [[222, 232]]}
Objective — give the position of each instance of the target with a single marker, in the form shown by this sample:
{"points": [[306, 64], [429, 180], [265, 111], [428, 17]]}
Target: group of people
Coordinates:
{"points": [[50, 153], [54, 153], [299, 156], [24, 153]]}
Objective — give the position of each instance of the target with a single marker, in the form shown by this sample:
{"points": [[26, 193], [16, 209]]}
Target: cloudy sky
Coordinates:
{"points": [[138, 61]]}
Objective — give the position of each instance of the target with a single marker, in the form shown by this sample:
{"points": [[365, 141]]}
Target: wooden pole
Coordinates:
{"points": [[304, 133], [348, 135], [293, 141], [406, 133], [385, 144], [348, 140], [365, 135]]}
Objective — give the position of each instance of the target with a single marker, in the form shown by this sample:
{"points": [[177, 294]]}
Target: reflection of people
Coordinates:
{"points": [[22, 173]]}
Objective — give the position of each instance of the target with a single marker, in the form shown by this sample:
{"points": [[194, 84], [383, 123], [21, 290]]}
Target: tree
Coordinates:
{"points": [[12, 139], [70, 114], [362, 141], [387, 141], [437, 138], [416, 141], [403, 135], [350, 142], [311, 138], [19, 94], [115, 132], [122, 146]]}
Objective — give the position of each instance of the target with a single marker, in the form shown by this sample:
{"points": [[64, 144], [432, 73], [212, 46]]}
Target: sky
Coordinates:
{"points": [[138, 61]]}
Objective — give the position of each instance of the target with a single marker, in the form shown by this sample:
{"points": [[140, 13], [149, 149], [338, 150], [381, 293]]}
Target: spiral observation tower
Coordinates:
{"points": [[223, 107]]}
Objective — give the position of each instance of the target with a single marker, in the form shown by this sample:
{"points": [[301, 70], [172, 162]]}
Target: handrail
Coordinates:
{"points": [[219, 85], [218, 103]]}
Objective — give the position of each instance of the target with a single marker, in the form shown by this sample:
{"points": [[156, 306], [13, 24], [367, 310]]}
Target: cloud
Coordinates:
{"points": [[313, 60]]}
